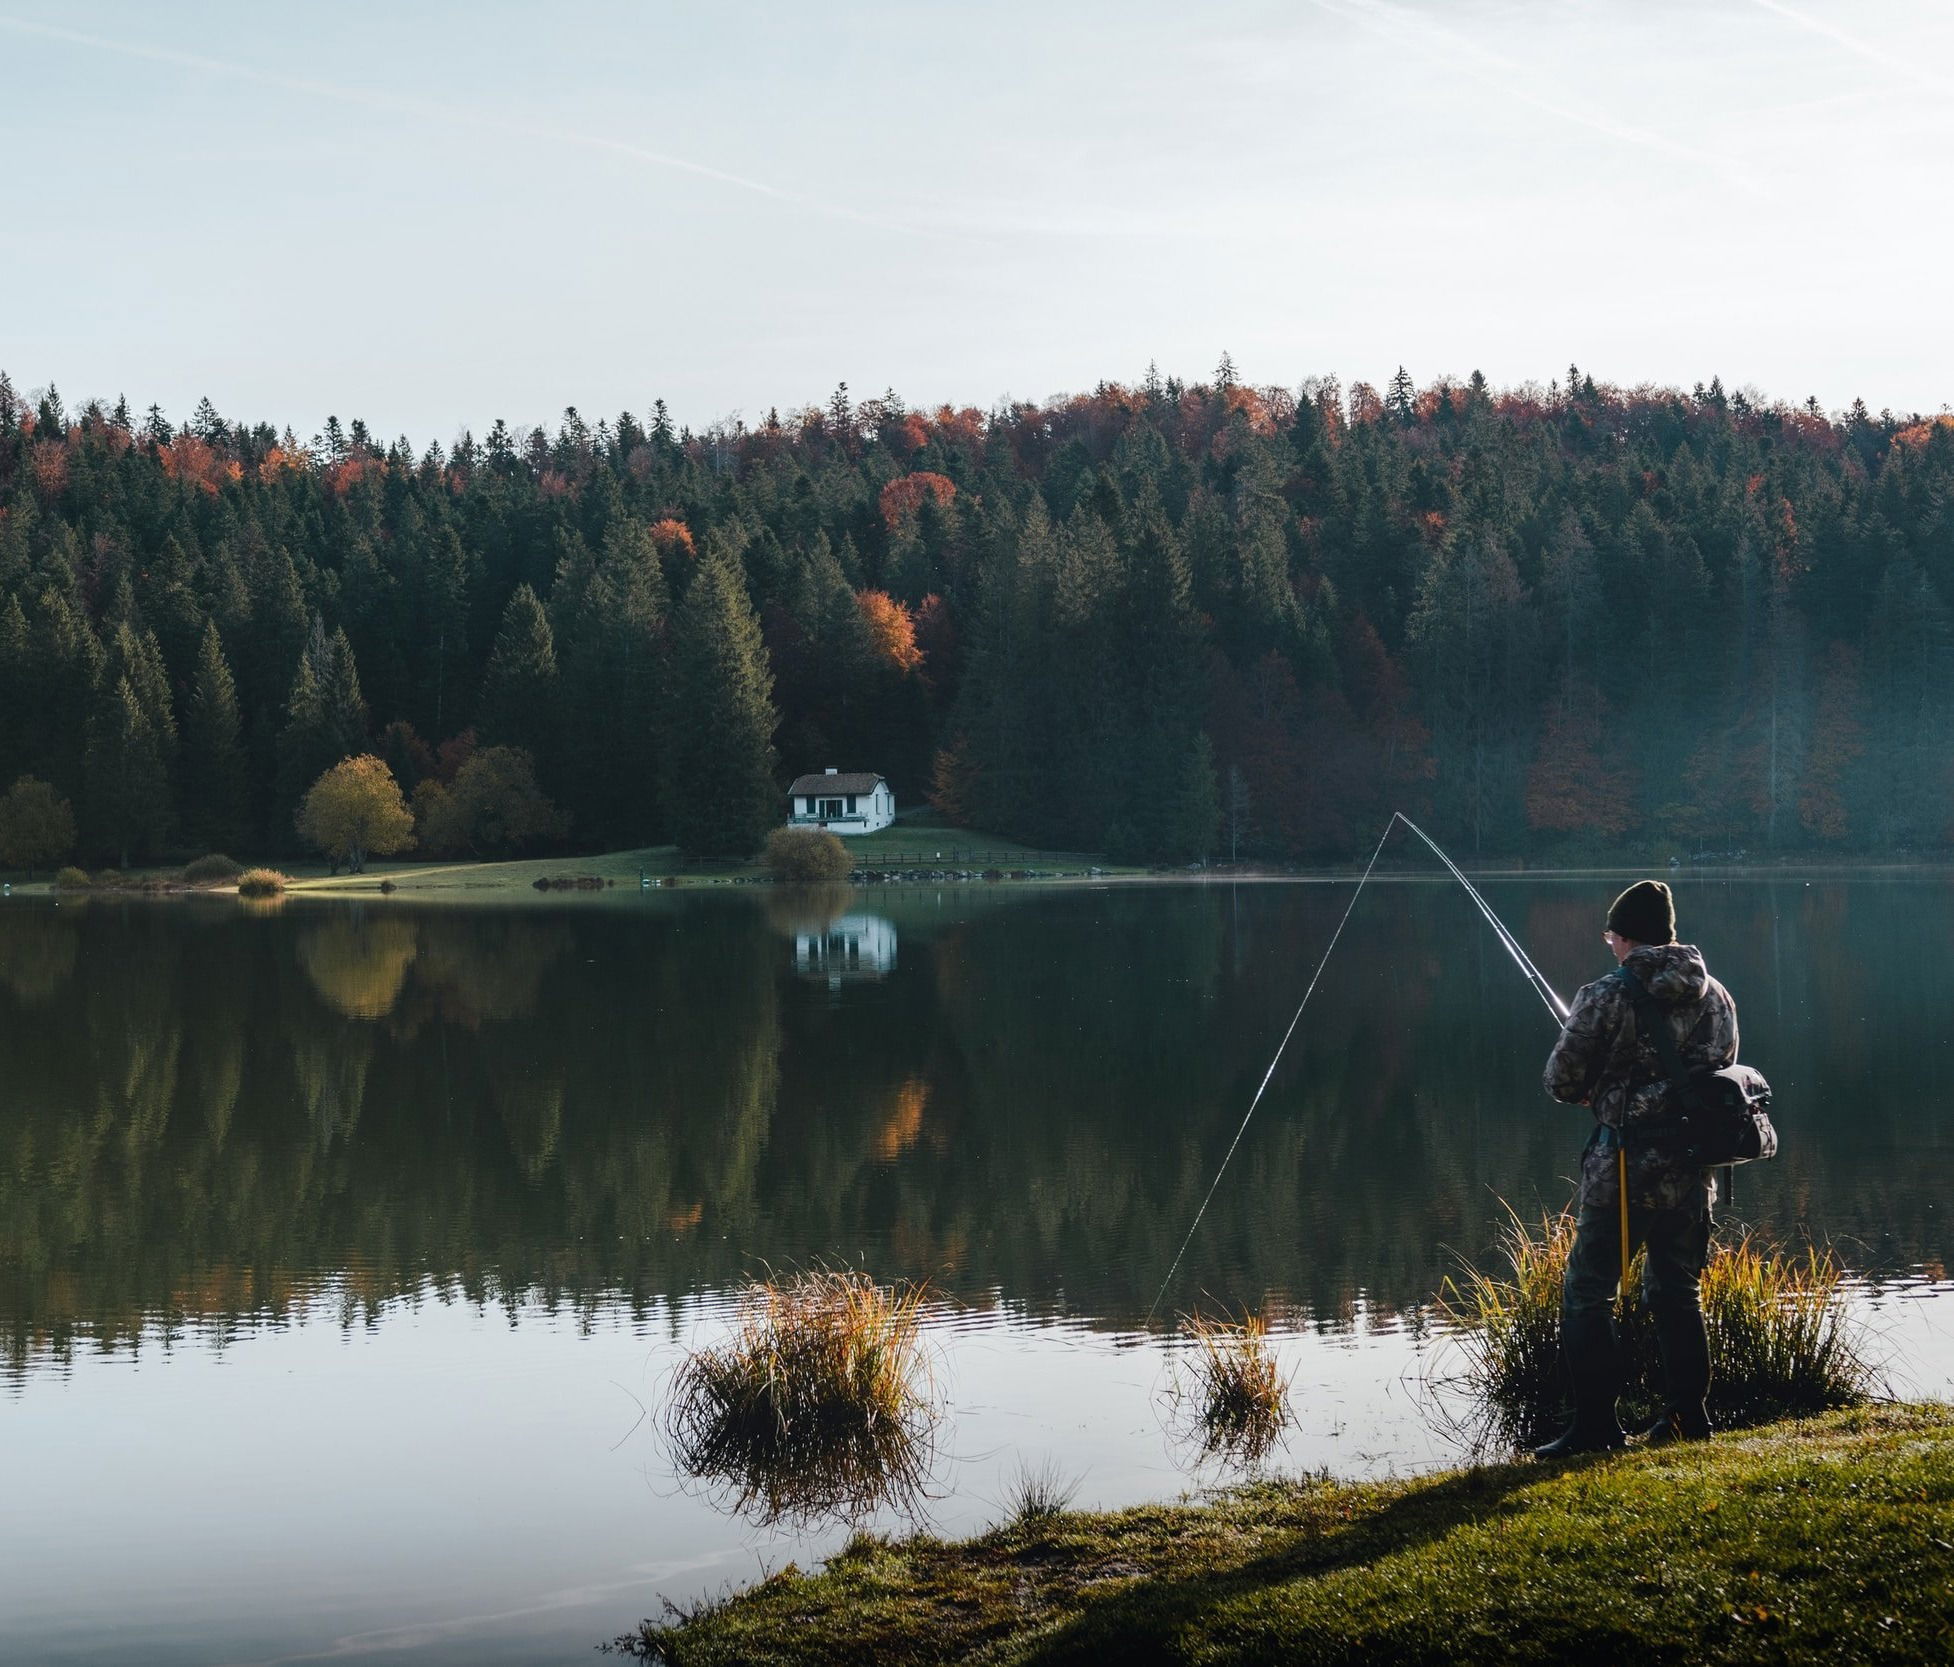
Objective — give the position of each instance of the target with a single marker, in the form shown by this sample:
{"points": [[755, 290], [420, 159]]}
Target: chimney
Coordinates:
{"points": [[831, 771]]}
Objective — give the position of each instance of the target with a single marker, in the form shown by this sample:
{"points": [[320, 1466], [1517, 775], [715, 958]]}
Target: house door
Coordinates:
{"points": [[830, 810]]}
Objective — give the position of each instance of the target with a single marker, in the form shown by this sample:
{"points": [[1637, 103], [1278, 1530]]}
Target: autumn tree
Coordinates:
{"points": [[355, 810], [493, 807], [37, 826]]}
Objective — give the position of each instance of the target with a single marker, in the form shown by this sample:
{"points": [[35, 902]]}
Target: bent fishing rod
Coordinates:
{"points": [[1533, 975]]}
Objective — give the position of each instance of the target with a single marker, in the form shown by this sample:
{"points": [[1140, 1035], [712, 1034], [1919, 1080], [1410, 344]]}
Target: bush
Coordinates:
{"points": [[71, 879], [1781, 1340], [213, 870], [261, 882], [811, 854]]}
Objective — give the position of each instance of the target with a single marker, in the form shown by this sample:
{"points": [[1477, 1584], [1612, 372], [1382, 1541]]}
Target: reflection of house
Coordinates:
{"points": [[850, 948], [842, 801]]}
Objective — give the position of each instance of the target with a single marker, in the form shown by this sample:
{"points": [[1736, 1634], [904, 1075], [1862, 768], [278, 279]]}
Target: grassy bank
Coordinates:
{"points": [[1825, 1540]]}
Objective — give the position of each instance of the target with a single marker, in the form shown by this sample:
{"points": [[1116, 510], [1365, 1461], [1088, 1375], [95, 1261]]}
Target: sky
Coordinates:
{"points": [[432, 215]]}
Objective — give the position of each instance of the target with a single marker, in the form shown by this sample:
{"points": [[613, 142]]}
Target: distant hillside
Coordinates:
{"points": [[1155, 621]]}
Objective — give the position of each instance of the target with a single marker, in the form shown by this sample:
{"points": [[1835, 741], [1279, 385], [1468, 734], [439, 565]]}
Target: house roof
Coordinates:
{"points": [[846, 781]]}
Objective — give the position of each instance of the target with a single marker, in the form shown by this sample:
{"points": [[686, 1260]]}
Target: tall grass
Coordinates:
{"points": [[1781, 1339], [261, 882], [821, 1403], [1227, 1389], [1038, 1494]]}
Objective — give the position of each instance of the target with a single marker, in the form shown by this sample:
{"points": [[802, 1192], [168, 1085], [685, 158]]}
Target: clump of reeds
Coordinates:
{"points": [[1228, 1389], [1038, 1494], [261, 882], [1782, 1341], [820, 1404], [72, 879]]}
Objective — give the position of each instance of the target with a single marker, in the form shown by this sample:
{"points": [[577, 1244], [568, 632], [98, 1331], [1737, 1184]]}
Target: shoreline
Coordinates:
{"points": [[1817, 1539]]}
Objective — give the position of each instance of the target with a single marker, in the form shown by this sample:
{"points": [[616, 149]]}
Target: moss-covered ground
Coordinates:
{"points": [[1828, 1540]]}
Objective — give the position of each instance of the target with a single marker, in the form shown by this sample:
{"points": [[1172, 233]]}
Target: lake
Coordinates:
{"points": [[347, 1248]]}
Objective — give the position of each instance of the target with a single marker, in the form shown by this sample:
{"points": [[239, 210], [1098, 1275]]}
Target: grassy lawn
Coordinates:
{"points": [[1824, 1540]]}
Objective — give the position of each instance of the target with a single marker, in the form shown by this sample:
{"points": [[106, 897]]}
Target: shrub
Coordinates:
{"points": [[819, 1404], [811, 854], [1229, 1389], [213, 870], [71, 879], [261, 882], [37, 826], [1781, 1339]]}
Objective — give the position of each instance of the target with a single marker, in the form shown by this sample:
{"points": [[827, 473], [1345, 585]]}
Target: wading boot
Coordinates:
{"points": [[1589, 1435], [1678, 1424]]}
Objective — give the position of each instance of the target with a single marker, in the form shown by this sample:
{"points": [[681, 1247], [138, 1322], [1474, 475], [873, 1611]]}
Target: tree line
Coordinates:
{"points": [[1166, 621]]}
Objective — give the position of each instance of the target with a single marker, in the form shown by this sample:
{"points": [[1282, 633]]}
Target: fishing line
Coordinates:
{"points": [[1268, 1074], [1533, 975]]}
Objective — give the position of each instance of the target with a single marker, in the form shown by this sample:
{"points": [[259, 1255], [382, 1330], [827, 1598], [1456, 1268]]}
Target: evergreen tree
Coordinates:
{"points": [[216, 803], [128, 776], [325, 720], [721, 797], [520, 689]]}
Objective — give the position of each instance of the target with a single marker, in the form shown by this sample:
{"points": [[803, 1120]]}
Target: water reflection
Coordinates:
{"points": [[207, 1115], [852, 948]]}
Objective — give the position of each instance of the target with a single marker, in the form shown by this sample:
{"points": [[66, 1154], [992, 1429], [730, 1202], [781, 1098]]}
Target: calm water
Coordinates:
{"points": [[346, 1250]]}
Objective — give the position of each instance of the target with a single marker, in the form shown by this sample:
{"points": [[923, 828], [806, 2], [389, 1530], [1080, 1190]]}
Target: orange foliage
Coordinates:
{"points": [[672, 538], [343, 477], [1920, 434], [891, 630], [49, 460], [965, 426], [278, 461], [905, 495], [907, 437], [196, 463]]}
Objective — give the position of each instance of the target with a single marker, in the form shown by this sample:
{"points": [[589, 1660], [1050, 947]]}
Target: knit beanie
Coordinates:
{"points": [[1645, 913]]}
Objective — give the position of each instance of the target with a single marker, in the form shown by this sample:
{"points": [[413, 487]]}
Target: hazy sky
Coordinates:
{"points": [[433, 214]]}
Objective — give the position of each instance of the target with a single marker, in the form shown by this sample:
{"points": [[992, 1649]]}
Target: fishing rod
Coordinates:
{"points": [[1533, 975]]}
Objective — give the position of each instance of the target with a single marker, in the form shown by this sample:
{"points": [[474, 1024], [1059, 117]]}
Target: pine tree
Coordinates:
{"points": [[720, 793], [520, 688], [216, 804], [128, 777], [325, 721]]}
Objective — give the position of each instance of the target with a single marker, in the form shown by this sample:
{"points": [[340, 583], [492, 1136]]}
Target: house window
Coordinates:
{"points": [[830, 808], [851, 804]]}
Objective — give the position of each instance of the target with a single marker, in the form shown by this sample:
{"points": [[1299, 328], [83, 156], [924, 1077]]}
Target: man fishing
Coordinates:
{"points": [[1602, 1061]]}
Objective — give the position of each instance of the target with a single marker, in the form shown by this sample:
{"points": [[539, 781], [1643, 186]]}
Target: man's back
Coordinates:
{"points": [[1604, 1062]]}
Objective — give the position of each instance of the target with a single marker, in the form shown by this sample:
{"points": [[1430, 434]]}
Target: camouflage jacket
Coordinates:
{"points": [[1602, 1063]]}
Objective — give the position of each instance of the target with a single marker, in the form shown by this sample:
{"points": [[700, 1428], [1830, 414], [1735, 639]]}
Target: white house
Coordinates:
{"points": [[842, 801]]}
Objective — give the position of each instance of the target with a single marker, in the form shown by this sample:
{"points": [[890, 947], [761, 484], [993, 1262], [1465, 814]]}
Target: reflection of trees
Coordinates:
{"points": [[646, 1100], [37, 952], [358, 963]]}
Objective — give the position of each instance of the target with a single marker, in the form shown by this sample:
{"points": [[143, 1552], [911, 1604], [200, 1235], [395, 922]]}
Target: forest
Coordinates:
{"points": [[1166, 622]]}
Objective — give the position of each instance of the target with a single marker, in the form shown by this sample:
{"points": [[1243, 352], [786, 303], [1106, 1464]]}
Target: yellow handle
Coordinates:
{"points": [[1621, 1192]]}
